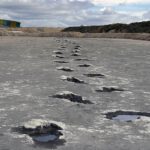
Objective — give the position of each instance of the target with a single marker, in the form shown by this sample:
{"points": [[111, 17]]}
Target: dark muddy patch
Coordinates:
{"points": [[109, 89], [84, 65], [57, 56], [40, 130], [61, 62], [71, 97], [63, 47], [58, 52], [72, 79], [94, 75], [67, 69], [60, 49], [76, 54], [75, 51], [126, 116], [1, 134], [77, 47], [82, 59]]}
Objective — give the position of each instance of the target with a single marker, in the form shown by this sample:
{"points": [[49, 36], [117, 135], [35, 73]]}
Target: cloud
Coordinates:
{"points": [[146, 15], [66, 12], [118, 2]]}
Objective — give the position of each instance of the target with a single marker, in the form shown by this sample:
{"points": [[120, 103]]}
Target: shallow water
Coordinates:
{"points": [[45, 138], [126, 118]]}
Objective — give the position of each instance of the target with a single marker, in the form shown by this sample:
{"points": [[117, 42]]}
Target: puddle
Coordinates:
{"points": [[72, 79], [71, 96], [46, 137], [40, 130], [126, 116], [109, 89], [58, 61], [96, 75], [67, 69], [84, 65]]}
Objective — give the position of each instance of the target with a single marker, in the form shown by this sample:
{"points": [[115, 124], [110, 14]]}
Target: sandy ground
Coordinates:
{"points": [[29, 75]]}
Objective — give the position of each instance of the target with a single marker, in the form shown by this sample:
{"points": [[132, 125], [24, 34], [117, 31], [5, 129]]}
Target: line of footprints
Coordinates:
{"points": [[76, 53], [43, 131]]}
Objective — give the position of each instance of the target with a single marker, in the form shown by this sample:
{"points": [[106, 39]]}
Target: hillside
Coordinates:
{"points": [[138, 27]]}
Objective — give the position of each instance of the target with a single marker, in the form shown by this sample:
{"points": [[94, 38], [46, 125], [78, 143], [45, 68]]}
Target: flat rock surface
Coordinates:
{"points": [[28, 75]]}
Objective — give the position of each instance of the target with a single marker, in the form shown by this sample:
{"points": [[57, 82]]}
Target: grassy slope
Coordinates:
{"points": [[139, 27]]}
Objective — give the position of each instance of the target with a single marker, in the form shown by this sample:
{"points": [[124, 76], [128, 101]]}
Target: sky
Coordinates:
{"points": [[64, 13]]}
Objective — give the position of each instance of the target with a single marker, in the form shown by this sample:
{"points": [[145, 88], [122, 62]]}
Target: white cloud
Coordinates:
{"points": [[67, 12], [116, 2]]}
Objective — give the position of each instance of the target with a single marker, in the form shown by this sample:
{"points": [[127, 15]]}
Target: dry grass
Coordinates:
{"points": [[56, 32]]}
